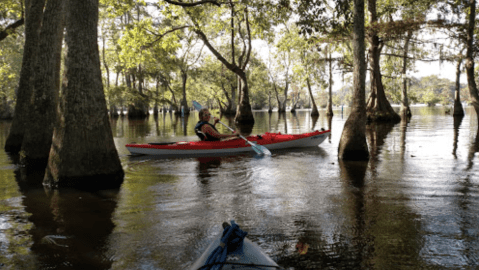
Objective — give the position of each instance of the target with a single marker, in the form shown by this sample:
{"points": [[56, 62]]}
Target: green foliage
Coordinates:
{"points": [[11, 53], [432, 90], [10, 10]]}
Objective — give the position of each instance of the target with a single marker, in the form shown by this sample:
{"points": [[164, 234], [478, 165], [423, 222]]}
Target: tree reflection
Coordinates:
{"points": [[205, 167], [138, 128], [283, 115], [330, 126], [70, 227], [314, 119], [352, 174], [376, 134], [245, 129], [457, 124], [184, 121], [473, 149], [403, 127]]}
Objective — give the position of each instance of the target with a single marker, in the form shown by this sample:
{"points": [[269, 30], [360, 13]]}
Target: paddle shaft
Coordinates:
{"points": [[232, 130]]}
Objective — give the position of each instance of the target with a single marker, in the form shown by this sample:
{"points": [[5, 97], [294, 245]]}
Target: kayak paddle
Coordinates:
{"points": [[259, 149]]}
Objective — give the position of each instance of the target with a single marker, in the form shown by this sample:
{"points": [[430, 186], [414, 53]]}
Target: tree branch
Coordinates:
{"points": [[194, 4], [162, 35], [249, 40], [11, 28], [417, 59], [225, 62]]}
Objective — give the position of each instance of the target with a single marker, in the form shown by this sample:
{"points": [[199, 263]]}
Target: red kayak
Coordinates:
{"points": [[272, 141]]}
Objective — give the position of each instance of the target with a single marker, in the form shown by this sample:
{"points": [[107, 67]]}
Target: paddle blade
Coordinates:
{"points": [[260, 150], [197, 105]]}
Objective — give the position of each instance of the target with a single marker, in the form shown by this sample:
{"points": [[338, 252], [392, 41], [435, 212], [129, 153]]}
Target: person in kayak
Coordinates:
{"points": [[207, 131]]}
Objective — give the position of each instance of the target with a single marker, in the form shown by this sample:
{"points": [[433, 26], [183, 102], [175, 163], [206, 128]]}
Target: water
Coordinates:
{"points": [[414, 205]]}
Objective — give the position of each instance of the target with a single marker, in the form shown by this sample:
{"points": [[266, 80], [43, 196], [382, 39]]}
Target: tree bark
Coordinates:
{"points": [[42, 106], [184, 102], [83, 154], [458, 110], [470, 56], [244, 113], [405, 111], [329, 107], [353, 144], [378, 107], [33, 22], [314, 111]]}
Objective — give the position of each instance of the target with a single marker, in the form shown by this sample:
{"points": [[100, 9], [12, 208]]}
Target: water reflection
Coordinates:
{"points": [[457, 124], [138, 128], [207, 167], [403, 128], [376, 134], [284, 122], [412, 206], [70, 227], [314, 120], [473, 149], [184, 121], [330, 126]]}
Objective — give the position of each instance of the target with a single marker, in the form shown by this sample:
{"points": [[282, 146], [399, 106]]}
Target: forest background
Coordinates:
{"points": [[152, 58]]}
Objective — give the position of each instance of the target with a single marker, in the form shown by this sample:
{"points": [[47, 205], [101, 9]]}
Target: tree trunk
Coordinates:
{"points": [[286, 88], [270, 108], [233, 100], [458, 110], [277, 97], [244, 113], [470, 56], [42, 113], [83, 154], [353, 144], [405, 109], [33, 22], [155, 108], [184, 102], [329, 108], [378, 107], [314, 111]]}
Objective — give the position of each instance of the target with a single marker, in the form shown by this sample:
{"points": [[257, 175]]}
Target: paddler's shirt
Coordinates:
{"points": [[205, 136]]}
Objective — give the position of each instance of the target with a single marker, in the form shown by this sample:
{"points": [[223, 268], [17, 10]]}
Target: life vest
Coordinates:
{"points": [[203, 136]]}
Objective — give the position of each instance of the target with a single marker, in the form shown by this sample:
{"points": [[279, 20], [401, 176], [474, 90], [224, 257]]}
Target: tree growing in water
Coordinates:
{"points": [[34, 15], [42, 105], [471, 26], [378, 107], [353, 144], [83, 153]]}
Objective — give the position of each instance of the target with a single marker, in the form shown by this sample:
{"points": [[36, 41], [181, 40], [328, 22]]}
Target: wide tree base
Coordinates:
{"points": [[353, 144], [380, 116], [136, 113], [14, 143], [244, 115], [405, 113], [33, 164], [354, 155]]}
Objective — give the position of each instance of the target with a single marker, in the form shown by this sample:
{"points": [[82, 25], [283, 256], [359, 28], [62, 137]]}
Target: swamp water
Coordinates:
{"points": [[414, 205]]}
